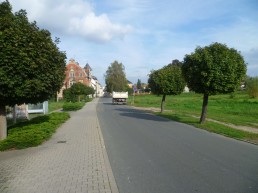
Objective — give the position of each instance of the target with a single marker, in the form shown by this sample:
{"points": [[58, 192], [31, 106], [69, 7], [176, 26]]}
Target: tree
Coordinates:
{"points": [[115, 77], [166, 81], [31, 67], [77, 90], [139, 84], [176, 62], [212, 70], [252, 86]]}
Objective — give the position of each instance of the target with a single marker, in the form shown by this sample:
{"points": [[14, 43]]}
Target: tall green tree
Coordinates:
{"points": [[212, 70], [32, 68], [166, 81], [139, 84], [115, 77]]}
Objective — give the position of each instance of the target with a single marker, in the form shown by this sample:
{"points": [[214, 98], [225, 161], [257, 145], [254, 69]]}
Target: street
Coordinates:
{"points": [[151, 154]]}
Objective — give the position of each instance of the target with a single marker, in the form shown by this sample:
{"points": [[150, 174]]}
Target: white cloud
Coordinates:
{"points": [[97, 28], [73, 17]]}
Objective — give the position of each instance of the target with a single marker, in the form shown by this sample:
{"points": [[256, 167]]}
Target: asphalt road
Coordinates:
{"points": [[150, 154]]}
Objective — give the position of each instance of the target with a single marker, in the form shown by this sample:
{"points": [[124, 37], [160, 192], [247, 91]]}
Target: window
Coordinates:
{"points": [[71, 74]]}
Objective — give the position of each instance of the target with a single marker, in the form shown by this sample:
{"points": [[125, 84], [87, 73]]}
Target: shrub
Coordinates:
{"points": [[252, 86], [33, 132], [77, 92], [73, 106]]}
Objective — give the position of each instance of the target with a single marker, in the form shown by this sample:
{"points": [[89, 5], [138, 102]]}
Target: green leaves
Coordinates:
{"points": [[115, 77], [77, 90], [31, 67], [168, 80], [214, 69]]}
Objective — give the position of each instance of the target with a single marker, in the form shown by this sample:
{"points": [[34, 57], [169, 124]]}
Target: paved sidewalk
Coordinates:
{"points": [[74, 160]]}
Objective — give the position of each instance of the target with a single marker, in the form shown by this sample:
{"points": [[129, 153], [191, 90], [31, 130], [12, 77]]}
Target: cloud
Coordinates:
{"points": [[97, 28], [72, 17]]}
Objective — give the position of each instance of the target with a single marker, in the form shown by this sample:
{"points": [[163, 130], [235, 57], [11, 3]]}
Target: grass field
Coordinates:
{"points": [[238, 110]]}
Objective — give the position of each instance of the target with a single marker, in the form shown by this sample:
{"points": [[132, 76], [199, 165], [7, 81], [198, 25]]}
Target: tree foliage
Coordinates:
{"points": [[212, 70], [115, 77], [252, 86], [139, 84], [31, 67], [77, 90], [166, 81]]}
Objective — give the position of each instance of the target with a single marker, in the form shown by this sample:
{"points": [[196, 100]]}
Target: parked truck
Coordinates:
{"points": [[119, 97]]}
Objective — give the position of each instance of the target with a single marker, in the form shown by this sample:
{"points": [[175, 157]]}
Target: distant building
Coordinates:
{"points": [[130, 84], [73, 74], [99, 90]]}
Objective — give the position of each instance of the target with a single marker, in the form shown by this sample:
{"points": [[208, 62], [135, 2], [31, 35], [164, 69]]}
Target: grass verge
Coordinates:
{"points": [[34, 132], [212, 127], [239, 110]]}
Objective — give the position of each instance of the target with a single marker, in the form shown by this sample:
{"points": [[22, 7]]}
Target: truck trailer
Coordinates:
{"points": [[119, 97]]}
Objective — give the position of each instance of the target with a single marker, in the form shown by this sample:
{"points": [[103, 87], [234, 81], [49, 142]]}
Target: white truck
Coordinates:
{"points": [[119, 97]]}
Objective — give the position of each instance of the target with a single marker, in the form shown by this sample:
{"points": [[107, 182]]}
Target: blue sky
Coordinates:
{"points": [[145, 34]]}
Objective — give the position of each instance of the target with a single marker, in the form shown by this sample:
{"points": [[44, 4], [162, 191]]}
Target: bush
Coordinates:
{"points": [[252, 87], [33, 132], [73, 106], [77, 92]]}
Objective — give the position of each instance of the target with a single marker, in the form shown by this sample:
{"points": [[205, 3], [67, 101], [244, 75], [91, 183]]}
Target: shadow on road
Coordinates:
{"points": [[140, 114]]}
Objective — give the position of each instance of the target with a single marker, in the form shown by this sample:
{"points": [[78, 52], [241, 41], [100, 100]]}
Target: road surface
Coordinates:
{"points": [[151, 154]]}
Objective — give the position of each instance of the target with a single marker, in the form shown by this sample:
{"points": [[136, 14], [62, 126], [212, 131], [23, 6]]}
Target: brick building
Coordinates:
{"points": [[73, 74]]}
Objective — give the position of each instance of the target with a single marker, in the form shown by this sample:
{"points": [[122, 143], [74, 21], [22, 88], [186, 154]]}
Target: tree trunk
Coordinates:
{"points": [[204, 108], [3, 124], [162, 103]]}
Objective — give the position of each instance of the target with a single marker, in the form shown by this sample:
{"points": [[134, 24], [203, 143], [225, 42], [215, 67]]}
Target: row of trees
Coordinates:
{"points": [[32, 68], [210, 70]]}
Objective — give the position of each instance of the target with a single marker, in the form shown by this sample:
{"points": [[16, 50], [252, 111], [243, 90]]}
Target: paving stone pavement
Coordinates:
{"points": [[74, 160]]}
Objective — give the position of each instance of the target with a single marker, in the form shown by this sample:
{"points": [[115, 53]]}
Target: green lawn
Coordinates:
{"points": [[239, 110]]}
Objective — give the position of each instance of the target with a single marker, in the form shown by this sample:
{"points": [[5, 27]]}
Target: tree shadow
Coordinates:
{"points": [[36, 120], [139, 114]]}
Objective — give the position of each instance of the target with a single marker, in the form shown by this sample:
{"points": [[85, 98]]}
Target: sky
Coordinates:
{"points": [[145, 35]]}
